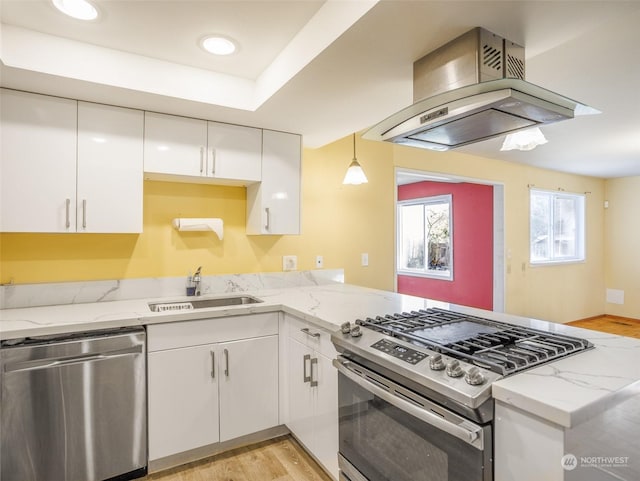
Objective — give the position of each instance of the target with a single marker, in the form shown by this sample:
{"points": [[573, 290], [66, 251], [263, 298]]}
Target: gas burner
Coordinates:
{"points": [[500, 347]]}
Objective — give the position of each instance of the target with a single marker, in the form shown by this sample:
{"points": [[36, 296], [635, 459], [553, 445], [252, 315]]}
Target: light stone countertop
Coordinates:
{"points": [[565, 392]]}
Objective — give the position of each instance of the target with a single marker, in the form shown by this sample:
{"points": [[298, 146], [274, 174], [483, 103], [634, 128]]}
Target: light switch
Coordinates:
{"points": [[364, 259]]}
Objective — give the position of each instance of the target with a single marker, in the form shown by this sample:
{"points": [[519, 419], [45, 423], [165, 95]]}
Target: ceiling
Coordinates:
{"points": [[325, 69]]}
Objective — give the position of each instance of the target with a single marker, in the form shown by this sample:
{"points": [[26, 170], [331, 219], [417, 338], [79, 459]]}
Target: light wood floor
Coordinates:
{"points": [[281, 459], [621, 326]]}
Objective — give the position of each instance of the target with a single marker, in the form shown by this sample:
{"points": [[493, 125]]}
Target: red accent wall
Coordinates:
{"points": [[472, 283]]}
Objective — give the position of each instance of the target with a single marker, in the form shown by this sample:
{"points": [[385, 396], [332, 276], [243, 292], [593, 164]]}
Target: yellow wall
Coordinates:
{"points": [[558, 293], [338, 222], [622, 245]]}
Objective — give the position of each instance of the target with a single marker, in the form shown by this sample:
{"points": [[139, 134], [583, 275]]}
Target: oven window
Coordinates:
{"points": [[385, 443]]}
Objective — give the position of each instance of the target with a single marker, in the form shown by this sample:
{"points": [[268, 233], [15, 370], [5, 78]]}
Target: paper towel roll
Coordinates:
{"points": [[192, 224]]}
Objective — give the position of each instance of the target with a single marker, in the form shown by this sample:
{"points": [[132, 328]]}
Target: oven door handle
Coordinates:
{"points": [[465, 431]]}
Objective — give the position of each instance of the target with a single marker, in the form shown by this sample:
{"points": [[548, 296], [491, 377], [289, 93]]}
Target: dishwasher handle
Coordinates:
{"points": [[71, 360]]}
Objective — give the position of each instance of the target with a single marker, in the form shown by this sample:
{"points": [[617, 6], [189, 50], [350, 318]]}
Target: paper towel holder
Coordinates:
{"points": [[199, 224]]}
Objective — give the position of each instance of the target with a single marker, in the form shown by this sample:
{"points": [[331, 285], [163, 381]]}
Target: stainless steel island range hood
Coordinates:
{"points": [[470, 90]]}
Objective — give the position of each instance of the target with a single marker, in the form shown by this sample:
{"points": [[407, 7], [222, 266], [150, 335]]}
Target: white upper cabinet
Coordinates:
{"points": [[38, 163], [190, 150], [174, 145], [234, 152], [273, 206], [109, 189], [69, 166]]}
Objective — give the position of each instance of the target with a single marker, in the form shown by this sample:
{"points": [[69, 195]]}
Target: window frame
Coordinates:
{"points": [[581, 230], [426, 273]]}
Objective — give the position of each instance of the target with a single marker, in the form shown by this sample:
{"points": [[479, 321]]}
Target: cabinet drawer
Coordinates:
{"points": [[174, 335], [310, 335]]}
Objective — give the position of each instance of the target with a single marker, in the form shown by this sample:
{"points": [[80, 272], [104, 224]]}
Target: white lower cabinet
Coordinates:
{"points": [[313, 392], [218, 389], [248, 386], [183, 400]]}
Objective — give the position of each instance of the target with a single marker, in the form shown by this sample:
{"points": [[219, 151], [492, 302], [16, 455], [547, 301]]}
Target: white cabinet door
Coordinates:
{"points": [[174, 145], [273, 205], [326, 415], [248, 378], [313, 392], [110, 150], [37, 163], [234, 152], [301, 409], [183, 400]]}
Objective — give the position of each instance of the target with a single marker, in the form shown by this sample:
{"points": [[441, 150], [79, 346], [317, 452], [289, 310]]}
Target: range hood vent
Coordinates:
{"points": [[470, 90]]}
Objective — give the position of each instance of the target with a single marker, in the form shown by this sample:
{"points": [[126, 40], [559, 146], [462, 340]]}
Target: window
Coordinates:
{"points": [[556, 227], [424, 237]]}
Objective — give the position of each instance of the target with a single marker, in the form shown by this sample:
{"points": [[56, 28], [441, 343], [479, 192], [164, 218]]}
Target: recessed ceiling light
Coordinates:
{"points": [[80, 9], [218, 45]]}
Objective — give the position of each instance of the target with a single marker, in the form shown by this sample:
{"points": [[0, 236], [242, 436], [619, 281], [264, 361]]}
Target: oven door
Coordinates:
{"points": [[388, 432]]}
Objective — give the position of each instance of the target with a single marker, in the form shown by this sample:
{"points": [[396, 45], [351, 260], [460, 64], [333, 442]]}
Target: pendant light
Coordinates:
{"points": [[355, 174]]}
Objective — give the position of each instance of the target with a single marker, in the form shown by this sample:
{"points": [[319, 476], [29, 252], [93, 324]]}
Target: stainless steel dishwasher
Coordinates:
{"points": [[73, 408]]}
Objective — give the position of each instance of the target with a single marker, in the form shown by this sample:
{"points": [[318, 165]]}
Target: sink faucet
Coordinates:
{"points": [[196, 279]]}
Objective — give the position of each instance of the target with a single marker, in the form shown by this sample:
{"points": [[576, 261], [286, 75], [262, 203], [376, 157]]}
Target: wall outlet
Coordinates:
{"points": [[289, 263], [364, 259], [319, 262]]}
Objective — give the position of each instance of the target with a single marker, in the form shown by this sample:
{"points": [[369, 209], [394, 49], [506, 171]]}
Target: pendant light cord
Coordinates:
{"points": [[354, 146]]}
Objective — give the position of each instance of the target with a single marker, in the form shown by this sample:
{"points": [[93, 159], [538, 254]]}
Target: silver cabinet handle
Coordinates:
{"points": [[84, 213], [67, 223], [213, 364], [226, 363], [309, 333], [268, 224], [313, 382], [213, 161], [305, 378], [201, 160]]}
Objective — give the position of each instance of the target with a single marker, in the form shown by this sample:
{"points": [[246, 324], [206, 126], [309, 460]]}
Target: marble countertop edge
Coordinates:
{"points": [[566, 392]]}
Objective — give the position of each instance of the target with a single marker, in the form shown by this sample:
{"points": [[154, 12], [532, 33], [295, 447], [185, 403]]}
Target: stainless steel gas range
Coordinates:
{"points": [[415, 392]]}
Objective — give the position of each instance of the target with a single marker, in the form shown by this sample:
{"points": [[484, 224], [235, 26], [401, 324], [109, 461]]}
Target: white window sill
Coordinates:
{"points": [[556, 263], [448, 276]]}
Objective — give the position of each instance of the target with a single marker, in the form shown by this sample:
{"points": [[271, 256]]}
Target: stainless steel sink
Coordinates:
{"points": [[203, 303]]}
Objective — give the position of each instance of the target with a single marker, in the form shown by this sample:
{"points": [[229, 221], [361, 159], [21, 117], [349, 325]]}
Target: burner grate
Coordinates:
{"points": [[500, 347]]}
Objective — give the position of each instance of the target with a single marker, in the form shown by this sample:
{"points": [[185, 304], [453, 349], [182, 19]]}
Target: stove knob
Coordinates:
{"points": [[474, 376], [345, 327], [436, 363], [454, 369], [356, 331]]}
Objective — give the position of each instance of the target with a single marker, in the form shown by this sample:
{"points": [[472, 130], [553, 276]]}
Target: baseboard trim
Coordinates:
{"points": [[216, 448], [607, 316]]}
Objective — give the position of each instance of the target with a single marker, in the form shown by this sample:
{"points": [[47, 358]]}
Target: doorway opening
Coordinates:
{"points": [[472, 240]]}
